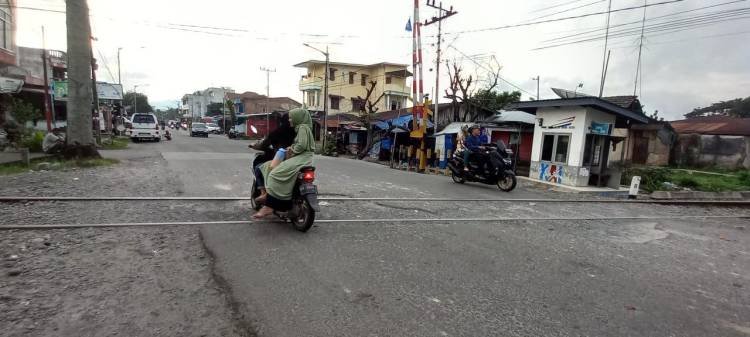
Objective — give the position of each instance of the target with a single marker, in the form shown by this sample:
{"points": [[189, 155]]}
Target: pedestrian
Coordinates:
{"points": [[54, 142]]}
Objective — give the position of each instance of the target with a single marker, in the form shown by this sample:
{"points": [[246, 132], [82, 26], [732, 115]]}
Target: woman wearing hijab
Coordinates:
{"points": [[280, 180]]}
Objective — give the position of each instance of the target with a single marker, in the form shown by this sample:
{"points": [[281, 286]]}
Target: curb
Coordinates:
{"points": [[688, 195]]}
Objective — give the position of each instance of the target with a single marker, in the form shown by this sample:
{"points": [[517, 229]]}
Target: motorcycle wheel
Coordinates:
{"points": [[254, 194], [458, 179], [305, 216], [507, 183]]}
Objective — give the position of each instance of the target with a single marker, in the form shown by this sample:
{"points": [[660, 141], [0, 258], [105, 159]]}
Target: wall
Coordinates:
{"points": [[732, 152]]}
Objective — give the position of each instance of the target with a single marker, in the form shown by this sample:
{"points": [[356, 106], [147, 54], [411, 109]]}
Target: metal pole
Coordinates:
{"points": [[47, 113], [437, 70], [268, 101], [119, 72], [606, 41], [325, 104], [135, 99], [538, 80]]}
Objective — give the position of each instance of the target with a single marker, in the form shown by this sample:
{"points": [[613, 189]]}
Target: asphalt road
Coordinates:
{"points": [[520, 278]]}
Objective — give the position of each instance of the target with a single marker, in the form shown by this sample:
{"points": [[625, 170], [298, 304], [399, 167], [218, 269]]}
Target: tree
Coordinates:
{"points": [[735, 108], [141, 102], [232, 113], [741, 108], [460, 88], [493, 100], [366, 112], [23, 111], [215, 109], [80, 139]]}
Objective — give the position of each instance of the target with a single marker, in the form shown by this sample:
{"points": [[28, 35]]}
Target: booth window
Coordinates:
{"points": [[555, 148]]}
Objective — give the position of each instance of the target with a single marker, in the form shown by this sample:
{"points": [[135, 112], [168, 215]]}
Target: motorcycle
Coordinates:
{"points": [[303, 206], [492, 166]]}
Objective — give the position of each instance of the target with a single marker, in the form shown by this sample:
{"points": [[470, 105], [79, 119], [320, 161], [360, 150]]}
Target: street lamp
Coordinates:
{"points": [[325, 95], [135, 97], [119, 72], [575, 92]]}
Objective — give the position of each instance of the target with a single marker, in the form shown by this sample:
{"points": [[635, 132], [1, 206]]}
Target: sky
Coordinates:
{"points": [[170, 48]]}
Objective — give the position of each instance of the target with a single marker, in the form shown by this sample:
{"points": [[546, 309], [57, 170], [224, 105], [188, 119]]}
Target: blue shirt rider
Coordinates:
{"points": [[472, 144]]}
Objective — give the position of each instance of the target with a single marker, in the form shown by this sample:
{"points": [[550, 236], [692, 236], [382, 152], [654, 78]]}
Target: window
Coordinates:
{"points": [[358, 104], [364, 80], [388, 80], [335, 101], [351, 78], [6, 38], [331, 74], [556, 145], [396, 103]]}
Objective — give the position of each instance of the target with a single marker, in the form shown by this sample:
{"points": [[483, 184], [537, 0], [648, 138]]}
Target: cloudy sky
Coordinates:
{"points": [[692, 56]]}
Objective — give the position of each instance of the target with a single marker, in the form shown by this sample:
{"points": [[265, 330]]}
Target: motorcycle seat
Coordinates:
{"points": [[307, 168]]}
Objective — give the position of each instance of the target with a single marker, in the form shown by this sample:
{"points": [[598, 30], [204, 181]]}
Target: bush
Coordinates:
{"points": [[33, 141], [652, 178], [687, 182], [744, 177]]}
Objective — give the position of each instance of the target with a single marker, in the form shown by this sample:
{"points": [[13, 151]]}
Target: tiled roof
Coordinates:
{"points": [[714, 125]]}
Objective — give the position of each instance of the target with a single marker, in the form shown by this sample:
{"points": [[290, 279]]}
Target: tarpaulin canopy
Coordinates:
{"points": [[402, 121]]}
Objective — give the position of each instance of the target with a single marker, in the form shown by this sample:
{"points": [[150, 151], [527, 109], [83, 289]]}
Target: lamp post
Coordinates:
{"points": [[119, 71], [325, 95], [135, 97]]}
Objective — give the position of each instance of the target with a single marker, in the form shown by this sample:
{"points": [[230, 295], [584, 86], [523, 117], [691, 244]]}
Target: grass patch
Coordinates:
{"points": [[118, 143], [53, 164], [711, 183]]}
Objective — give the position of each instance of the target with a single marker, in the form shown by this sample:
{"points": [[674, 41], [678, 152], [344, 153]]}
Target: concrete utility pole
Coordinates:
{"points": [[537, 79], [80, 140], [640, 50], [97, 120], [605, 59], [324, 127], [119, 71], [268, 98], [442, 15]]}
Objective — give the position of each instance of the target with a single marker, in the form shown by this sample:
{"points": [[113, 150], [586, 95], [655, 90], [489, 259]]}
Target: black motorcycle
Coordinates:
{"points": [[492, 166], [301, 209]]}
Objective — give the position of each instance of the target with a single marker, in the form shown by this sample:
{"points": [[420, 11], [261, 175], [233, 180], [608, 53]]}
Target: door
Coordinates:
{"points": [[640, 148]]}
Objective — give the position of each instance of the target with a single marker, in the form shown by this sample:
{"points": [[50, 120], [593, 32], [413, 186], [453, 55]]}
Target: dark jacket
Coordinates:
{"points": [[473, 143], [281, 137]]}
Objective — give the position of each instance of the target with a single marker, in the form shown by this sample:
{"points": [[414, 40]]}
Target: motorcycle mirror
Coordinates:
{"points": [[253, 129]]}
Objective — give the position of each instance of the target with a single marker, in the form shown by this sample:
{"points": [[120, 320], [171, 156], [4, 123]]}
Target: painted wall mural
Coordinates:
{"points": [[551, 173]]}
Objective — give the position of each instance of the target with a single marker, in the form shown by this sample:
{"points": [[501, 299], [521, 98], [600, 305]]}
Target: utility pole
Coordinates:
{"points": [[324, 127], [606, 57], [537, 79], [640, 49], [442, 15], [97, 120], [135, 99], [80, 142], [268, 97], [47, 112], [119, 71]]}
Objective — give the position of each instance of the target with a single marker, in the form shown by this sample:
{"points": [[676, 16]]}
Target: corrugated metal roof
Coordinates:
{"points": [[714, 125]]}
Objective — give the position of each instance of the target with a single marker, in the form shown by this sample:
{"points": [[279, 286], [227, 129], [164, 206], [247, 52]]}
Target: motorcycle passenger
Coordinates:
{"points": [[280, 138], [279, 181], [472, 144]]}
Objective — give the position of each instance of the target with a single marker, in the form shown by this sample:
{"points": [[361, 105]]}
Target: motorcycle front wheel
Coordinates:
{"points": [[457, 179], [508, 182], [305, 216]]}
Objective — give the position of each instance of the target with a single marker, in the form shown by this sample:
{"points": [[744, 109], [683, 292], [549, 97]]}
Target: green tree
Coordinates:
{"points": [[741, 108], [23, 111], [232, 114], [141, 101], [215, 109], [493, 100], [735, 108]]}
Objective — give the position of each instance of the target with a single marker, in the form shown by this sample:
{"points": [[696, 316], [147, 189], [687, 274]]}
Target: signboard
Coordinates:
{"points": [[10, 85], [103, 90], [604, 129]]}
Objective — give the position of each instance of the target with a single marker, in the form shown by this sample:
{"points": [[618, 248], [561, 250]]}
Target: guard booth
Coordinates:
{"points": [[574, 139]]}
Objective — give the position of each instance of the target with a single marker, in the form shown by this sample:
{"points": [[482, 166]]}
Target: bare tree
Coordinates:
{"points": [[366, 112], [459, 91], [80, 140]]}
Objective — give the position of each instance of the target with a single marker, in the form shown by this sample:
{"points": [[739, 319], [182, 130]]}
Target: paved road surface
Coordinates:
{"points": [[521, 278]]}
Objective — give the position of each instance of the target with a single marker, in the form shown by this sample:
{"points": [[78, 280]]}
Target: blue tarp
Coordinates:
{"points": [[402, 121]]}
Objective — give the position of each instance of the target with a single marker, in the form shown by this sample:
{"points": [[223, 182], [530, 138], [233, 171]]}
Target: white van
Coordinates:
{"points": [[144, 126]]}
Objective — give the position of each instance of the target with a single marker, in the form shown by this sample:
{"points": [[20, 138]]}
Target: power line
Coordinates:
{"points": [[558, 5], [567, 10], [671, 26], [490, 70], [564, 18], [106, 65]]}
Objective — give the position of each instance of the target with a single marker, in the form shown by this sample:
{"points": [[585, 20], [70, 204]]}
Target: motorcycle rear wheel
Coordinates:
{"points": [[457, 179], [305, 217], [254, 193], [507, 183]]}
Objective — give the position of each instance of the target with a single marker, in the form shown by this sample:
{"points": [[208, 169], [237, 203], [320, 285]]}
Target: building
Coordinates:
{"points": [[574, 138], [650, 144], [718, 141], [347, 82], [253, 103], [11, 75], [32, 62], [205, 102]]}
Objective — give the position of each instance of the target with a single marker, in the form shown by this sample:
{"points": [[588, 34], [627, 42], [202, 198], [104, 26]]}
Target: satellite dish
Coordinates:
{"points": [[253, 129]]}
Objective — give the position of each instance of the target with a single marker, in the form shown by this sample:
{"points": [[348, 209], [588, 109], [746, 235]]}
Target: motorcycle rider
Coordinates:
{"points": [[280, 138], [472, 144]]}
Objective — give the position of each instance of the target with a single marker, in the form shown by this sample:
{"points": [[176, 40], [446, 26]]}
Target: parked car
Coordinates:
{"points": [[144, 126], [213, 128], [199, 129]]}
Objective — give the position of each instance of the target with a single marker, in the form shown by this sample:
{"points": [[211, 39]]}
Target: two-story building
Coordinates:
{"points": [[347, 82], [197, 104], [11, 75]]}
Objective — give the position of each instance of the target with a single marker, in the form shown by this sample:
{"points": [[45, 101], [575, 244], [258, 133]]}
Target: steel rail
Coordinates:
{"points": [[334, 221], [13, 199]]}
